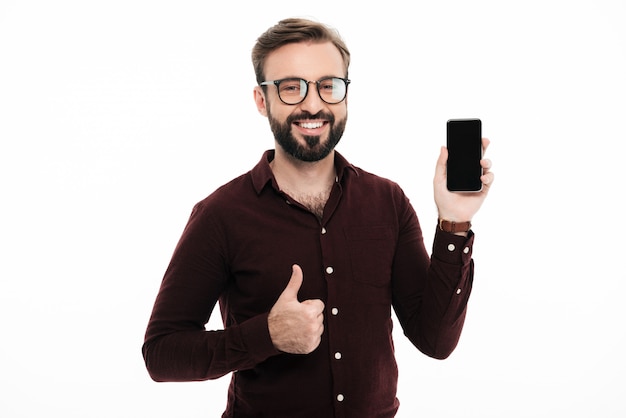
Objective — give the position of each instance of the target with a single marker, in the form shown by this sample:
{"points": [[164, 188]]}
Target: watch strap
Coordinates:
{"points": [[452, 227]]}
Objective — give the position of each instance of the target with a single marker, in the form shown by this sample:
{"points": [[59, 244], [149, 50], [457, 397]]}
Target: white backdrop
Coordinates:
{"points": [[117, 116]]}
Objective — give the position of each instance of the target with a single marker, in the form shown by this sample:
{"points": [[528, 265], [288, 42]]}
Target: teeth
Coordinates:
{"points": [[312, 125]]}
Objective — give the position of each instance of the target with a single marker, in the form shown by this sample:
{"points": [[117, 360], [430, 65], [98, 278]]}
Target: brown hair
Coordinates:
{"points": [[294, 30]]}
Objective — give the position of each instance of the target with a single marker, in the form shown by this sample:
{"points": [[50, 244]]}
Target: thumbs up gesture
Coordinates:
{"points": [[296, 327]]}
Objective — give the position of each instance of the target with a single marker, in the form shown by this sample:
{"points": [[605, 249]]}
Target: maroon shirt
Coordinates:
{"points": [[365, 256]]}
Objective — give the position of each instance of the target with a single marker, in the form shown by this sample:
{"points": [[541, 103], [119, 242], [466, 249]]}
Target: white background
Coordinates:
{"points": [[117, 116]]}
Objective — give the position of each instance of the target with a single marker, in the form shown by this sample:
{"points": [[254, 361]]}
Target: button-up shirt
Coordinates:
{"points": [[365, 256]]}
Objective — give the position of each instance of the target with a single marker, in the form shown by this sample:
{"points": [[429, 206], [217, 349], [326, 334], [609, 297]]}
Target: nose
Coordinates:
{"points": [[312, 103]]}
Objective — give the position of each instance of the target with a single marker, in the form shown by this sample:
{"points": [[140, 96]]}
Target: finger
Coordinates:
{"points": [[485, 142], [295, 282], [316, 305], [487, 179], [485, 163], [440, 169]]}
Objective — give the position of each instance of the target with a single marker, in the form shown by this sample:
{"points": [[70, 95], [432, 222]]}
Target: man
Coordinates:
{"points": [[307, 254]]}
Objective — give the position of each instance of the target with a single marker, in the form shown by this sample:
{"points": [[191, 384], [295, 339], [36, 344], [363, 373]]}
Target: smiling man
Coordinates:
{"points": [[307, 254], [307, 114], [318, 119]]}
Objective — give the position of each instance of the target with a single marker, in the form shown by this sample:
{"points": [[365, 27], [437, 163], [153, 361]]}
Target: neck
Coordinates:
{"points": [[309, 183], [305, 177]]}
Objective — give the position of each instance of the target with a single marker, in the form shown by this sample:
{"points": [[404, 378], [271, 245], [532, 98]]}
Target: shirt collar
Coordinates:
{"points": [[262, 173]]}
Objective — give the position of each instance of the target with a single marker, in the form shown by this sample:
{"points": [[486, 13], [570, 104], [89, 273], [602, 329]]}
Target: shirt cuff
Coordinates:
{"points": [[451, 248], [256, 336]]}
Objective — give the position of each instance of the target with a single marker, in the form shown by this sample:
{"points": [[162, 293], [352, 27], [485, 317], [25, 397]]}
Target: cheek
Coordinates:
{"points": [[278, 114], [341, 114]]}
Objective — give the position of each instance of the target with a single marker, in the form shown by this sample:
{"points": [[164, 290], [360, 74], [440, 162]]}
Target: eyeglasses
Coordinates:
{"points": [[292, 91]]}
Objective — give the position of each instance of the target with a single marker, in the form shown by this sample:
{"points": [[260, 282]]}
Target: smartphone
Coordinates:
{"points": [[465, 150]]}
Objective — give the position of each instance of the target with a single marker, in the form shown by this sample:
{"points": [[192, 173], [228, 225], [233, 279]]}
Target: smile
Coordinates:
{"points": [[311, 125]]}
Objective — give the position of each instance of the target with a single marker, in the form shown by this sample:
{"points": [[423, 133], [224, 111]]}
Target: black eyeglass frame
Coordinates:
{"points": [[307, 82]]}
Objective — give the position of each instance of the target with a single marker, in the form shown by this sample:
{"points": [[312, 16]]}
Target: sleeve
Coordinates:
{"points": [[177, 347], [430, 294]]}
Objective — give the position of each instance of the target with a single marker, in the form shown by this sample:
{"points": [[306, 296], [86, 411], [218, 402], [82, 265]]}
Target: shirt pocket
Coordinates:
{"points": [[371, 250]]}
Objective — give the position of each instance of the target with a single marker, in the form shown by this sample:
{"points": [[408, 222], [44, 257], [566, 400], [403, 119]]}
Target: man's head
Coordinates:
{"points": [[295, 30], [307, 112]]}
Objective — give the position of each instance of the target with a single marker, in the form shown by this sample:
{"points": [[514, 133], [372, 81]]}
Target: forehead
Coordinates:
{"points": [[304, 59]]}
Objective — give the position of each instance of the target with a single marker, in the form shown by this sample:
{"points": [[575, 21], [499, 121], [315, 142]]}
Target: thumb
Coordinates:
{"points": [[440, 169], [295, 282]]}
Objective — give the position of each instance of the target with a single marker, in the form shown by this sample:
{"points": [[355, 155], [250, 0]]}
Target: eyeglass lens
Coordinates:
{"points": [[331, 90]]}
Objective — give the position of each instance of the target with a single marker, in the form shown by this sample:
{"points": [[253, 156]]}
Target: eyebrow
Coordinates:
{"points": [[304, 78]]}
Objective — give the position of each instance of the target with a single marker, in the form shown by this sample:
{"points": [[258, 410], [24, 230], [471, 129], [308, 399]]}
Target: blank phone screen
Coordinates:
{"points": [[464, 155]]}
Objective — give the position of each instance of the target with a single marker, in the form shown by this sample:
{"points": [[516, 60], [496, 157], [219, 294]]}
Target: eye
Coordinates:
{"points": [[290, 86], [328, 85]]}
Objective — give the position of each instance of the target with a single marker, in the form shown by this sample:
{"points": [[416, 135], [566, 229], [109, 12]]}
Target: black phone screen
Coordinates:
{"points": [[464, 142]]}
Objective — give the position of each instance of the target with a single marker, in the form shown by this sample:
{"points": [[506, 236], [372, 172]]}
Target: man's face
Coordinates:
{"points": [[309, 130]]}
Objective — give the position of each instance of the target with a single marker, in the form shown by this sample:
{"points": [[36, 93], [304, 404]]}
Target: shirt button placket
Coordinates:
{"points": [[337, 355]]}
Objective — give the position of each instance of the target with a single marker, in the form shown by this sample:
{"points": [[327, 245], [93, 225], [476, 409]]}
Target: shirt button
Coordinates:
{"points": [[334, 311], [323, 230], [329, 270], [338, 355], [458, 291], [451, 247], [340, 397], [466, 250]]}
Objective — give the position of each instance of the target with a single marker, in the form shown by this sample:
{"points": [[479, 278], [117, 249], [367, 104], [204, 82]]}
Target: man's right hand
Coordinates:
{"points": [[296, 327]]}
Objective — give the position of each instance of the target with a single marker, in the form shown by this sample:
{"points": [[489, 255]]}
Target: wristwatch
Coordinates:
{"points": [[452, 227]]}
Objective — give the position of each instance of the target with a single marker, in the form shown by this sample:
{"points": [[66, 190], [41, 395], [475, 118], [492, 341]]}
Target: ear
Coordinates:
{"points": [[259, 99]]}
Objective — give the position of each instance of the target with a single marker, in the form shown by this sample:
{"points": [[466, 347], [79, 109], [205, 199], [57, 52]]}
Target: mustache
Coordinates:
{"points": [[307, 115]]}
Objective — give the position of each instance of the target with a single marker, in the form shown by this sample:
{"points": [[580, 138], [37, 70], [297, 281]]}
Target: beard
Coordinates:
{"points": [[315, 149]]}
